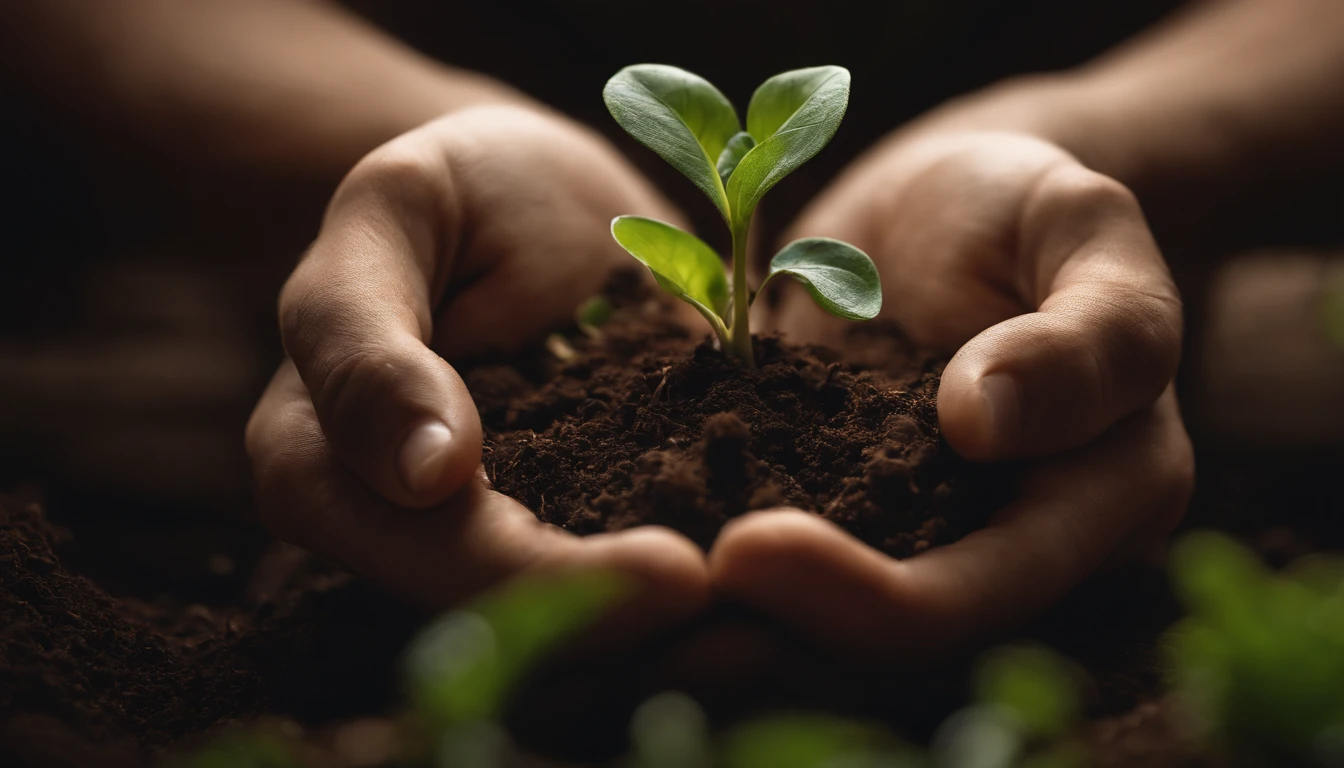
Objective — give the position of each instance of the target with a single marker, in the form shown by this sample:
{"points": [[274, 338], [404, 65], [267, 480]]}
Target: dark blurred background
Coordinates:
{"points": [[137, 292]]}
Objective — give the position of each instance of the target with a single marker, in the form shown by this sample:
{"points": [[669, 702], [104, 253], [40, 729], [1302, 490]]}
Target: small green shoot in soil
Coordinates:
{"points": [[1259, 663], [693, 126]]}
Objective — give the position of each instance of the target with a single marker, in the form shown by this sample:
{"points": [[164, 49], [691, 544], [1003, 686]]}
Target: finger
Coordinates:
{"points": [[437, 557], [1073, 514], [356, 319], [1103, 343]]}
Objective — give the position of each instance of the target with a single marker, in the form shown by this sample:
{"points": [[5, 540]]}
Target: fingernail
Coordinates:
{"points": [[1003, 402], [421, 458]]}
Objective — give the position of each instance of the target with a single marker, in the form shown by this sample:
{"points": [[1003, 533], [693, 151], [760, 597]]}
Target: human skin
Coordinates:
{"points": [[1043, 278], [453, 239], [474, 230], [1007, 231], [366, 446]]}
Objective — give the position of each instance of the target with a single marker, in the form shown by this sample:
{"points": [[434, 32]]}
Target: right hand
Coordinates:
{"points": [[1044, 278], [473, 232]]}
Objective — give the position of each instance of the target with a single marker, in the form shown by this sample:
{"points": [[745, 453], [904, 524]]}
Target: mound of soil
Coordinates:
{"points": [[645, 424]]}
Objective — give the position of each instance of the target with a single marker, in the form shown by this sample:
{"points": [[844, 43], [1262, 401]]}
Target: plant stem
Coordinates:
{"points": [[741, 328]]}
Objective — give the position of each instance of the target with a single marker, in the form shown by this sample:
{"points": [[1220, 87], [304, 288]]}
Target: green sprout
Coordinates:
{"points": [[693, 126]]}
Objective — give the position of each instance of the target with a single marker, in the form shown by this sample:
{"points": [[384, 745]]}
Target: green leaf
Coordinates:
{"points": [[670, 730], [1034, 686], [1259, 663], [251, 747], [807, 741], [732, 154], [594, 313], [680, 116], [462, 665], [792, 116], [1068, 754], [1220, 579], [681, 263], [473, 743], [840, 277], [779, 98], [977, 736], [1332, 309]]}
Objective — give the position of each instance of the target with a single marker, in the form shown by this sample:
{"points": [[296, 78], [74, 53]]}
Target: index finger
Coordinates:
{"points": [[1103, 342], [356, 319]]}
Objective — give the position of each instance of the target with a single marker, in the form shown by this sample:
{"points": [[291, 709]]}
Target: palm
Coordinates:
{"points": [[1043, 277], [472, 232], [946, 244], [540, 227]]}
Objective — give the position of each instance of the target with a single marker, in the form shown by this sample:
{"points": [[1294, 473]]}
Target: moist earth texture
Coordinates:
{"points": [[644, 423]]}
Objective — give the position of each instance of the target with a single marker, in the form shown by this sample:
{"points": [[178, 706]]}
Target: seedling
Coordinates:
{"points": [[693, 126]]}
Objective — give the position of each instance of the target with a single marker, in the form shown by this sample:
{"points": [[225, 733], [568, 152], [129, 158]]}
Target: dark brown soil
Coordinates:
{"points": [[94, 675], [130, 631], [88, 679], [648, 425]]}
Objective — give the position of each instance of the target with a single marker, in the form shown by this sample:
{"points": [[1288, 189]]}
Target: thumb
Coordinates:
{"points": [[356, 319], [1103, 343]]}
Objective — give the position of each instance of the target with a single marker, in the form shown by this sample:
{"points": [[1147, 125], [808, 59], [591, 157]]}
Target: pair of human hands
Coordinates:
{"points": [[485, 227]]}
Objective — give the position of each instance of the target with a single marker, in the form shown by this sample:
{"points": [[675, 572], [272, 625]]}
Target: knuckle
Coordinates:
{"points": [[403, 174], [1144, 334], [291, 473], [1073, 190], [298, 300], [347, 385], [276, 477]]}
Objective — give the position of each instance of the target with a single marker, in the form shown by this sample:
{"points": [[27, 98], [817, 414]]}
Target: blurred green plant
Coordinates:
{"points": [[670, 730], [254, 747], [1332, 308], [1025, 714], [814, 741], [1258, 665], [461, 668], [593, 314]]}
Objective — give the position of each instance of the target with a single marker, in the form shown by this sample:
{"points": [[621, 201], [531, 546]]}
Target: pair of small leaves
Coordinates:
{"points": [[840, 277], [693, 126]]}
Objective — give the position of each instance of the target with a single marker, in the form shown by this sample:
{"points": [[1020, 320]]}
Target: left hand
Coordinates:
{"points": [[1045, 279]]}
